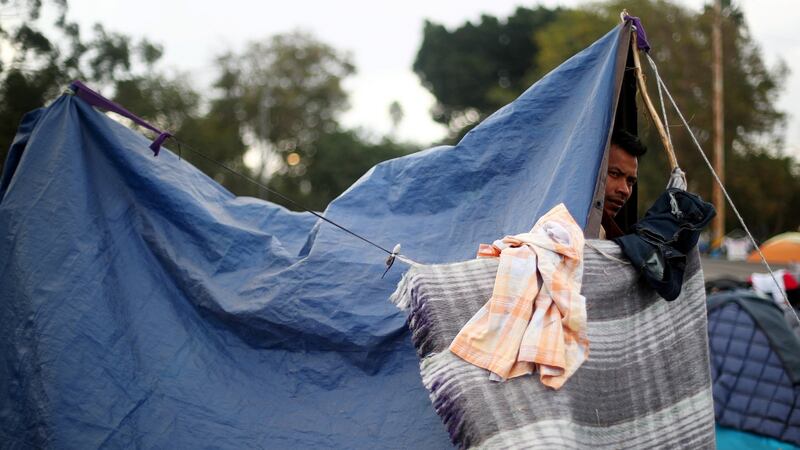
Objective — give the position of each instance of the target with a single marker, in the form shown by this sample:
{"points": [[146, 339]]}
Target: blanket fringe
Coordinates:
{"points": [[400, 298]]}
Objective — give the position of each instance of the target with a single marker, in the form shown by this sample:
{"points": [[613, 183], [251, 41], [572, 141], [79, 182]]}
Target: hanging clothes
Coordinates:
{"points": [[661, 240], [647, 382], [536, 317]]}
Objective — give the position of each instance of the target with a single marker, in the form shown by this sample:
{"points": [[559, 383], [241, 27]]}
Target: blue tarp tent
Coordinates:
{"points": [[143, 305]]}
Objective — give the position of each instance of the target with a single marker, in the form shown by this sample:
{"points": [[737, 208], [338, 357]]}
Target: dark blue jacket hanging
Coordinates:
{"points": [[661, 240]]}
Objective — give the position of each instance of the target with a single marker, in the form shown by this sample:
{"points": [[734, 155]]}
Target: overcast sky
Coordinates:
{"points": [[383, 38]]}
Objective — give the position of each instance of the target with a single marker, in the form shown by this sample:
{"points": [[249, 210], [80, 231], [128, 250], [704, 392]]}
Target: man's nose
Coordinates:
{"points": [[624, 189]]}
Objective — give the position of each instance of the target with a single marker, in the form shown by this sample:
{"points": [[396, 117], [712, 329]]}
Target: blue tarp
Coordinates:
{"points": [[141, 304]]}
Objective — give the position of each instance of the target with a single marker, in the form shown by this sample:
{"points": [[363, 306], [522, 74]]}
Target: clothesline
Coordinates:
{"points": [[92, 97], [96, 99], [182, 144]]}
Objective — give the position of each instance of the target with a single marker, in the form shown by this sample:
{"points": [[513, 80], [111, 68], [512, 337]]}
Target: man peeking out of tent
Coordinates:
{"points": [[623, 165]]}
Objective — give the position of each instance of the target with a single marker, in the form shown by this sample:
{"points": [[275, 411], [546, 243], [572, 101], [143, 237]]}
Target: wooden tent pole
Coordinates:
{"points": [[718, 226], [673, 161]]}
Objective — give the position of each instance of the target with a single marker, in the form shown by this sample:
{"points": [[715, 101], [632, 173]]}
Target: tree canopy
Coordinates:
{"points": [[680, 38], [273, 111], [35, 67], [276, 102], [477, 68]]}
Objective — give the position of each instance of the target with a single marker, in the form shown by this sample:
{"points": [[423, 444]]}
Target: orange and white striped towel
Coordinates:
{"points": [[536, 318]]}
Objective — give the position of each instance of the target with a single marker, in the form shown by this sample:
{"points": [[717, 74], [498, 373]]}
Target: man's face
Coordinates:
{"points": [[622, 170]]}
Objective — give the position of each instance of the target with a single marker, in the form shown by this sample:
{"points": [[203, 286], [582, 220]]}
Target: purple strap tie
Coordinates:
{"points": [[641, 36], [93, 98]]}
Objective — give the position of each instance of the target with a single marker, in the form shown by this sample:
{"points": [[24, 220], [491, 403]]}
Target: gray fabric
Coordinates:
{"points": [[646, 382]]}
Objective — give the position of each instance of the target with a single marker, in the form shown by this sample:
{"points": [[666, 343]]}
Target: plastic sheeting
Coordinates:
{"points": [[144, 305]]}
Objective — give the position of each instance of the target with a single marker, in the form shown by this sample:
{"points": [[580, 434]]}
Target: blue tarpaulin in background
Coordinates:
{"points": [[143, 305]]}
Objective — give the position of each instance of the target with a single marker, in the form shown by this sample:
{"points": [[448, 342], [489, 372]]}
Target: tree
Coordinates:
{"points": [[167, 102], [682, 51], [279, 97], [769, 203], [39, 67], [285, 94], [289, 89], [681, 47], [477, 68], [340, 158]]}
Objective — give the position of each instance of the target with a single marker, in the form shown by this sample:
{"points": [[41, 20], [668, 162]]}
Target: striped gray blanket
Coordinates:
{"points": [[646, 382]]}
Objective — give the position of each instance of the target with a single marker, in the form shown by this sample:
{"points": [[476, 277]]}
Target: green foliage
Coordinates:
{"points": [[164, 101], [279, 97], [477, 68], [570, 31], [284, 95], [289, 89], [681, 41], [766, 189], [339, 160], [20, 93], [753, 125], [40, 67], [217, 138]]}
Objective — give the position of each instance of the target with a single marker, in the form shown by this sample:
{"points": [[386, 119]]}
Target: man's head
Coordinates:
{"points": [[623, 167]]}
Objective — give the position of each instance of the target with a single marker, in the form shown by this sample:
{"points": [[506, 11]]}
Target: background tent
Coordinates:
{"points": [[781, 249], [755, 366], [144, 305]]}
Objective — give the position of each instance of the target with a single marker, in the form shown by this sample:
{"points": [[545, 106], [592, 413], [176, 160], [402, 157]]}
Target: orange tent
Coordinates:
{"points": [[781, 249]]}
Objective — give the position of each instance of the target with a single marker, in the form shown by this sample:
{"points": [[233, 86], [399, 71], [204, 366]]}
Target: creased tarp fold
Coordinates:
{"points": [[144, 305]]}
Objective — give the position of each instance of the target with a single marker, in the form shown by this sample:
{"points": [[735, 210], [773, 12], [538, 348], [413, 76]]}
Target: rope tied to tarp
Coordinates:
{"points": [[786, 304], [641, 35], [260, 185], [639, 41], [93, 98], [78, 89]]}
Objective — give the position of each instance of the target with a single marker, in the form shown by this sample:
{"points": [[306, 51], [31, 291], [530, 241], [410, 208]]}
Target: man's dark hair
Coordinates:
{"points": [[629, 142]]}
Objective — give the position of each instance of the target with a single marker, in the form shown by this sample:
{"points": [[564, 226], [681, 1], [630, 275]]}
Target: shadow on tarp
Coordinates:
{"points": [[144, 305]]}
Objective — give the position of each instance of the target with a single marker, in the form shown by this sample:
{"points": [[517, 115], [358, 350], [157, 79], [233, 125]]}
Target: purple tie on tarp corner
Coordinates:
{"points": [[93, 98], [641, 36], [155, 146]]}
